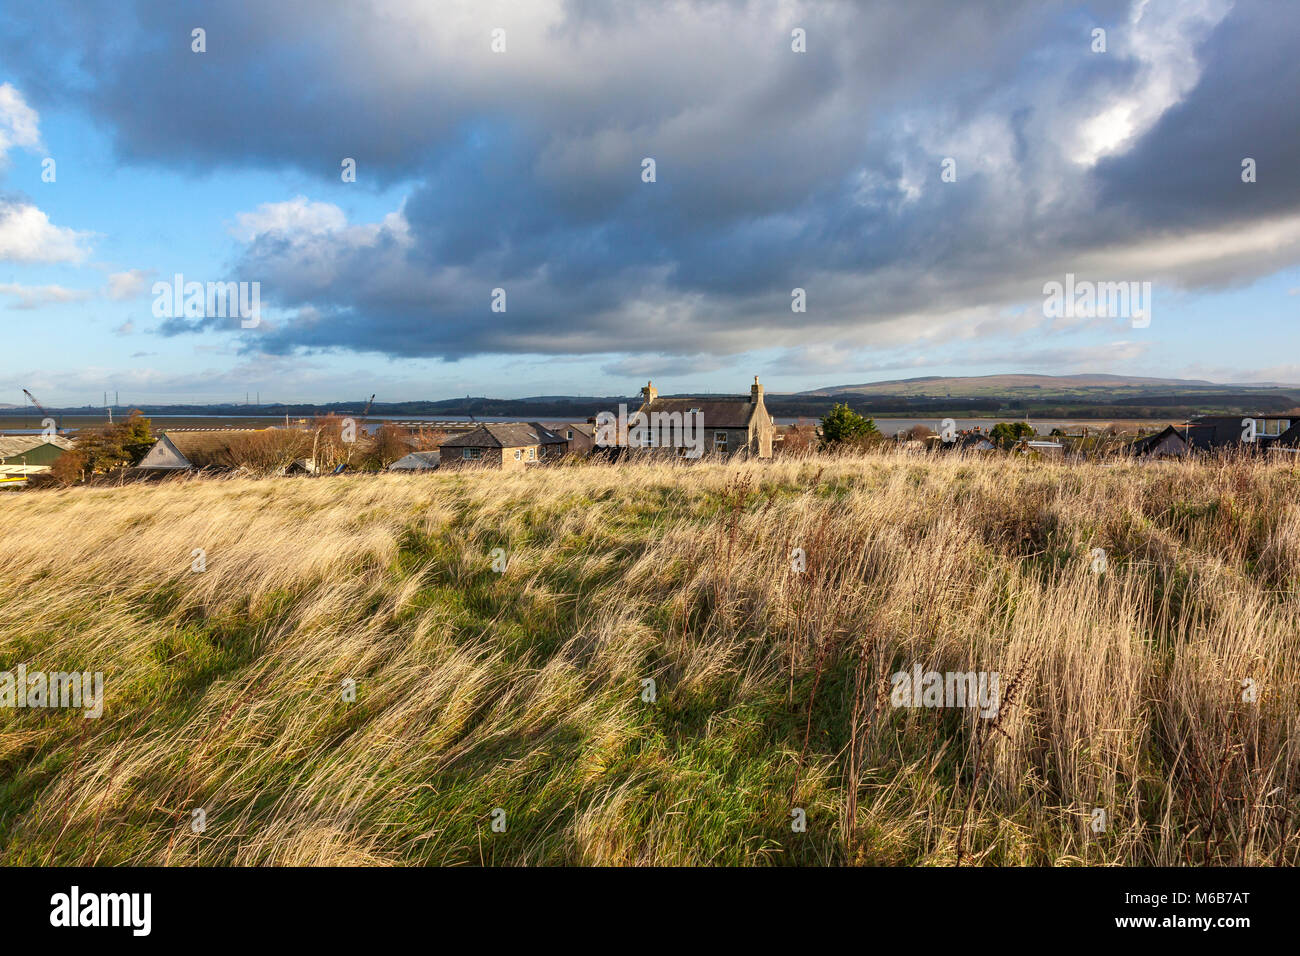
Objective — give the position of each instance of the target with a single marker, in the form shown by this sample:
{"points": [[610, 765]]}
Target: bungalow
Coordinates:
{"points": [[506, 447], [1169, 443], [1215, 432], [191, 450], [733, 426]]}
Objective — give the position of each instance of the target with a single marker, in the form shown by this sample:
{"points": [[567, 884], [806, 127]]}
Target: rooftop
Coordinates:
{"points": [[514, 435]]}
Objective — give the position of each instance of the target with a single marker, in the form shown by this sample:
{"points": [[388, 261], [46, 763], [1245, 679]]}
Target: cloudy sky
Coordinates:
{"points": [[523, 169]]}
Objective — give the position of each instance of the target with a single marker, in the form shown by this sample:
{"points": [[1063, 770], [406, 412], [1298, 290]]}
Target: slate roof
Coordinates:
{"points": [[514, 435], [728, 412], [1209, 432], [1146, 443]]}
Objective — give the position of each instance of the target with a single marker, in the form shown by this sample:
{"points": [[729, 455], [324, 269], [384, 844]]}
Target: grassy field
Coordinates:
{"points": [[522, 691]]}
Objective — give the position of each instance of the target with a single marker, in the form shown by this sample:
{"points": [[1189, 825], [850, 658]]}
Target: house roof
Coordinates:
{"points": [[514, 435], [1146, 443], [584, 428], [204, 447], [416, 461], [728, 412], [203, 440], [1218, 431], [1213, 431], [12, 446]]}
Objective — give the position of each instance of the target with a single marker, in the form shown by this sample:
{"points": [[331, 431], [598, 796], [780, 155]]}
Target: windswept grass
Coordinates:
{"points": [[522, 690]]}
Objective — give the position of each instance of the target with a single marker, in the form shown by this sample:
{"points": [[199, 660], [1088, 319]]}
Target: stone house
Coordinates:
{"points": [[581, 437], [509, 447], [733, 426]]}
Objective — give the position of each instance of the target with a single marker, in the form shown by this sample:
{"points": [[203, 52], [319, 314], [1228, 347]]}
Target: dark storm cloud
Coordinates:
{"points": [[774, 169], [1186, 172]]}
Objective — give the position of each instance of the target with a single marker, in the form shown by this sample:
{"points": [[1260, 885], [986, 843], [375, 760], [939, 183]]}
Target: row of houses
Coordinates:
{"points": [[724, 427], [717, 426], [691, 426], [1221, 432]]}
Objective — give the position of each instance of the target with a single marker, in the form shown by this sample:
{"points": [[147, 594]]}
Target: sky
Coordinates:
{"points": [[922, 171]]}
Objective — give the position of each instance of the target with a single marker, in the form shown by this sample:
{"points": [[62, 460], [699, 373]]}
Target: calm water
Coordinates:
{"points": [[888, 426]]}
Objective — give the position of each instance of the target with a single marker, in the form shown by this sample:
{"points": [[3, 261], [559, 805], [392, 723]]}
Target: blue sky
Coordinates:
{"points": [[522, 169]]}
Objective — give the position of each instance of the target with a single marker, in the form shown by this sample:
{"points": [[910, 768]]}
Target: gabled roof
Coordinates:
{"points": [[1146, 443], [515, 435], [12, 446], [198, 449], [728, 412], [583, 428]]}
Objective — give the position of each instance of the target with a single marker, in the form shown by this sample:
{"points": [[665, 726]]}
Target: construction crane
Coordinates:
{"points": [[41, 408], [366, 411]]}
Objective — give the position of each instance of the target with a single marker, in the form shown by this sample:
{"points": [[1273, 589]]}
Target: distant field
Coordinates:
{"points": [[526, 691]]}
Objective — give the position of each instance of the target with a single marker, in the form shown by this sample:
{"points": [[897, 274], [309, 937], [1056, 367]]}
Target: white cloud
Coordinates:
{"points": [[299, 216], [34, 296], [1162, 38], [19, 123], [27, 235], [127, 285]]}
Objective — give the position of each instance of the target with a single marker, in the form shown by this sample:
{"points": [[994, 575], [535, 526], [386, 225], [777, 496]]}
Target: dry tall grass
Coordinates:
{"points": [[522, 690]]}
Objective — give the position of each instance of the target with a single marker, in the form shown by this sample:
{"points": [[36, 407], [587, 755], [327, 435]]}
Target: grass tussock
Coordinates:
{"points": [[1122, 691]]}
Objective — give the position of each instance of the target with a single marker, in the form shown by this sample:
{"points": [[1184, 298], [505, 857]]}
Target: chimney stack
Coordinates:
{"points": [[755, 392], [649, 393]]}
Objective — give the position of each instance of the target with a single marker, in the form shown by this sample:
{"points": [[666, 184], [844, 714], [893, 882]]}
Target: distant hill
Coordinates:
{"points": [[1011, 384], [1065, 396], [1011, 396]]}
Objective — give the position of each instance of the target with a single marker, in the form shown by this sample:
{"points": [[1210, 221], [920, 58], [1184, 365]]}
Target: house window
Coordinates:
{"points": [[569, 434], [471, 454], [532, 453], [1271, 426], [720, 441], [519, 453]]}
